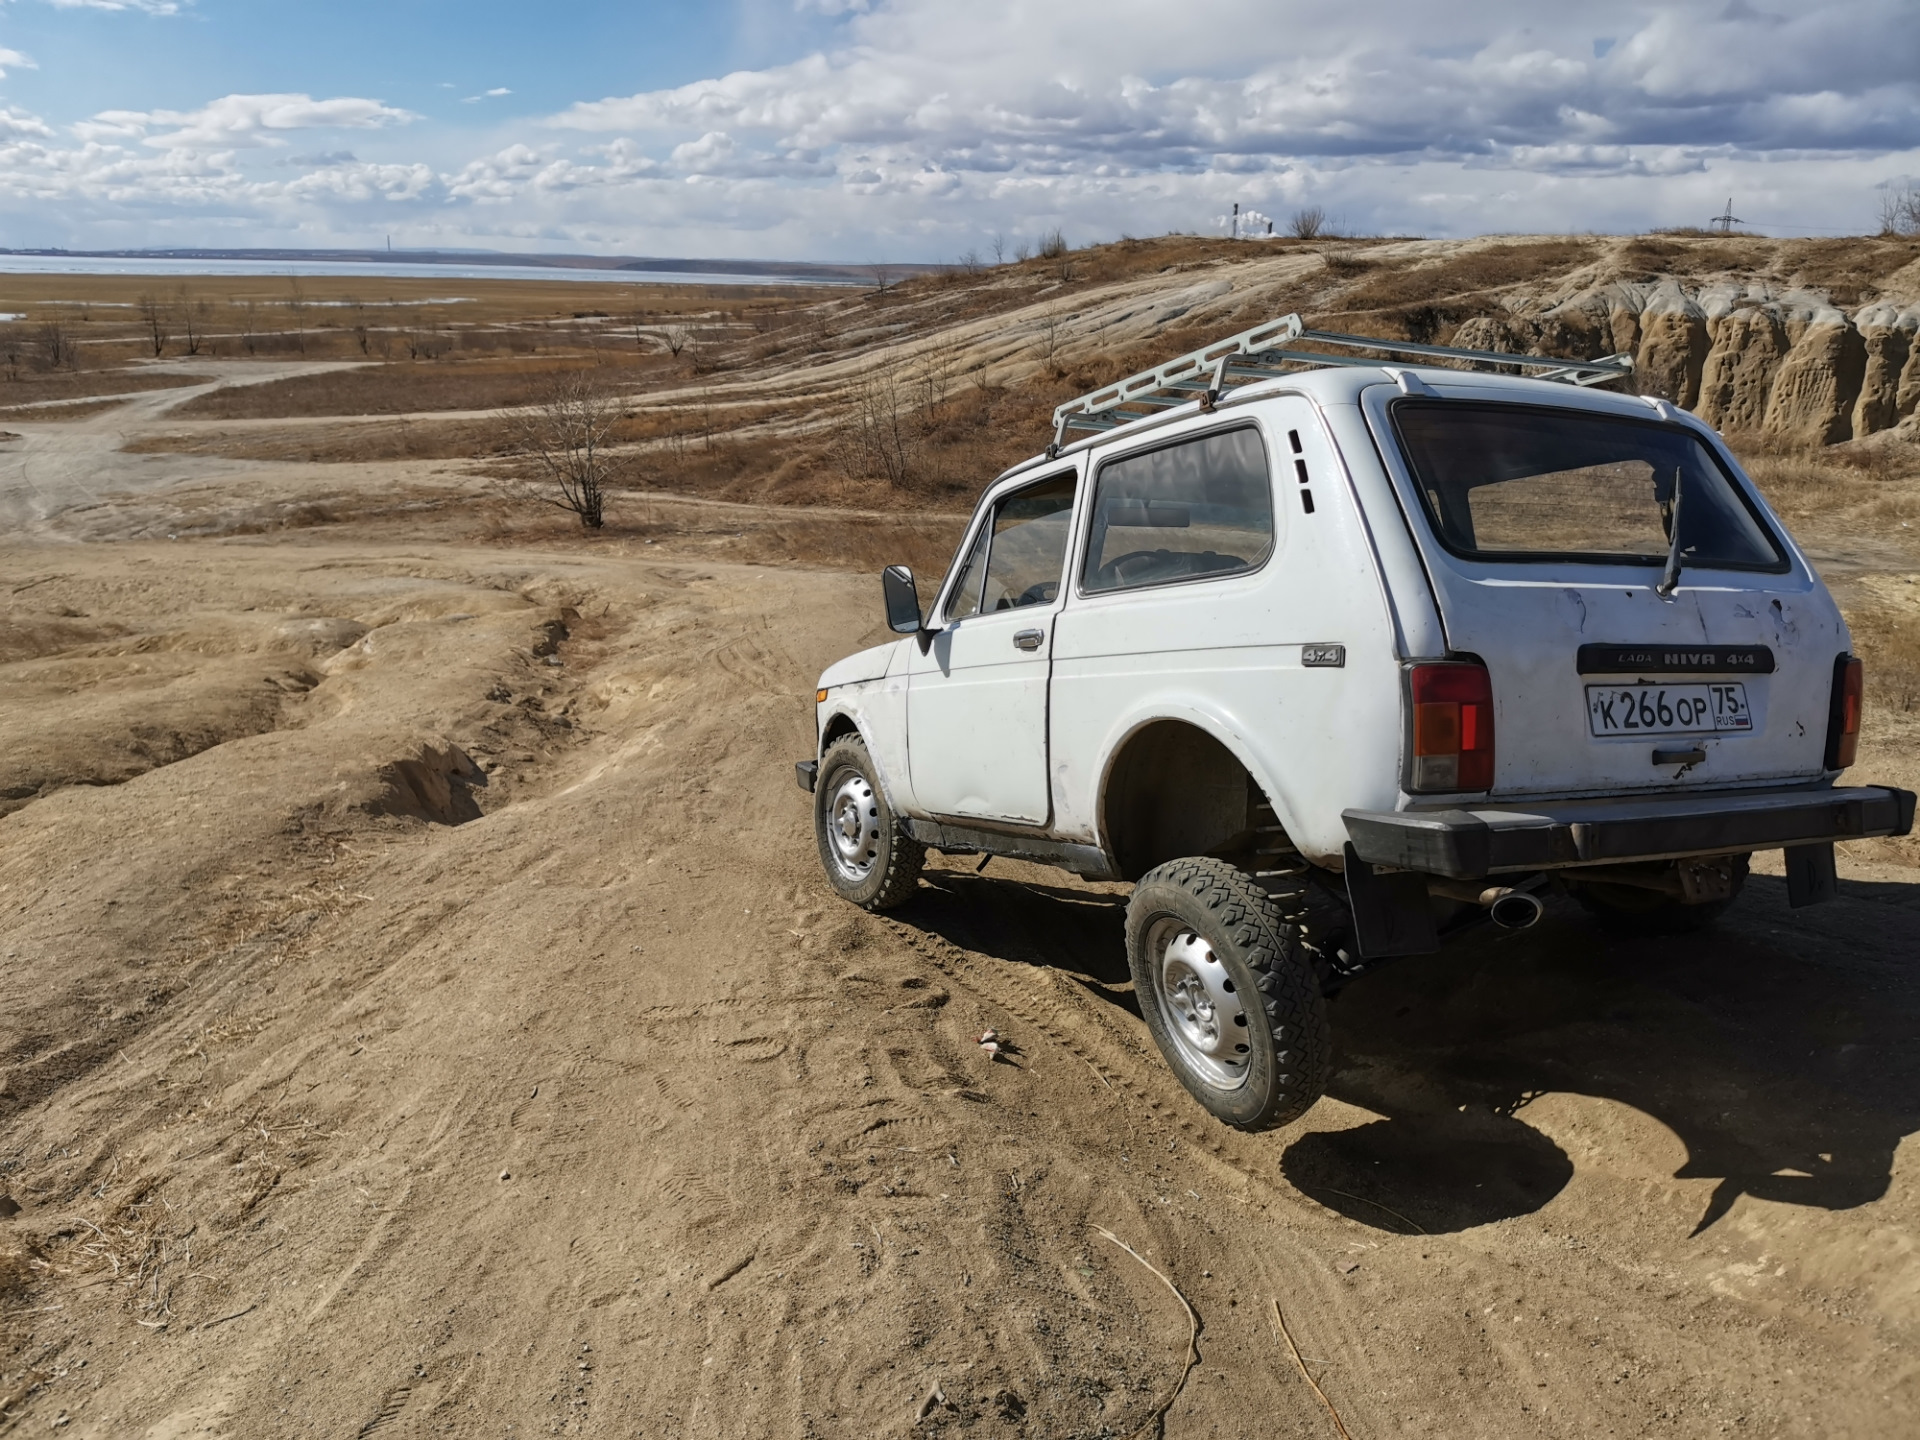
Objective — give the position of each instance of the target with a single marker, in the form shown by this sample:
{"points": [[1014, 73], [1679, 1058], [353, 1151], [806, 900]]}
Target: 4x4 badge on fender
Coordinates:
{"points": [[1330, 656]]}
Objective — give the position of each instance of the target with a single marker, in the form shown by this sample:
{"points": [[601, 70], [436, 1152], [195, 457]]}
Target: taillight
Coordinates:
{"points": [[1452, 727], [1843, 719]]}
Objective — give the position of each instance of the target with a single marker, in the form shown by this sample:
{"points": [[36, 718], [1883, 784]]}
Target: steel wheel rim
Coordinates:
{"points": [[1205, 1018], [853, 827]]}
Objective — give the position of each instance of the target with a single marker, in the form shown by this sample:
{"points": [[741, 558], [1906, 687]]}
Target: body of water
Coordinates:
{"points": [[396, 269]]}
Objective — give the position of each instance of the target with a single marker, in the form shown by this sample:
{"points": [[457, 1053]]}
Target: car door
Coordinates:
{"points": [[977, 694]]}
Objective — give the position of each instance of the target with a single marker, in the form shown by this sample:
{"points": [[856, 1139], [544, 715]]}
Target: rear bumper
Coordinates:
{"points": [[1488, 840]]}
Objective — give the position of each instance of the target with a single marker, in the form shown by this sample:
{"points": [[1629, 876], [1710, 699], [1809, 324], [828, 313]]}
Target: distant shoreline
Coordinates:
{"points": [[639, 268]]}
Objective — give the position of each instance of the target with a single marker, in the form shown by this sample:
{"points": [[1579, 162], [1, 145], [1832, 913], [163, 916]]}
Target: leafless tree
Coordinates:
{"points": [[568, 433], [157, 316], [55, 345], [1308, 223], [999, 249], [1022, 252], [1053, 244], [193, 319], [10, 348], [970, 262], [1900, 211], [676, 338]]}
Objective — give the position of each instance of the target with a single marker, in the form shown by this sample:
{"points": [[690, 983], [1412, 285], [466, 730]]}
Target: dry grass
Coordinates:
{"points": [[1840, 493], [358, 443], [1425, 301], [60, 411], [1888, 641], [16, 1275], [404, 388], [1849, 270], [39, 387]]}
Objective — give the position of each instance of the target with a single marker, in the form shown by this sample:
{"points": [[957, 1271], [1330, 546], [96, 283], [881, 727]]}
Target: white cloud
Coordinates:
{"points": [[493, 94], [14, 60], [15, 123], [150, 7], [239, 120]]}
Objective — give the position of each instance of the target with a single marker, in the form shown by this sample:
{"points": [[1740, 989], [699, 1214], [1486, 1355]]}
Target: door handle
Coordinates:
{"points": [[1029, 639]]}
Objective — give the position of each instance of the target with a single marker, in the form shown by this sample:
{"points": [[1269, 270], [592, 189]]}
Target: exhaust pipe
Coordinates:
{"points": [[1508, 908], [1514, 909]]}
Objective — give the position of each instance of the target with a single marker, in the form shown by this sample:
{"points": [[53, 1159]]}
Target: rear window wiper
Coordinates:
{"points": [[1670, 578]]}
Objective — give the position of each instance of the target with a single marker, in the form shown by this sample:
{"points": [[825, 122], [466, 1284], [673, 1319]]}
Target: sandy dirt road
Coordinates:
{"points": [[408, 1034]]}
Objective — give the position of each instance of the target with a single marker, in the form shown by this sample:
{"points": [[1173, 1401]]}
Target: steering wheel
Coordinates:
{"points": [[1041, 594], [1114, 571]]}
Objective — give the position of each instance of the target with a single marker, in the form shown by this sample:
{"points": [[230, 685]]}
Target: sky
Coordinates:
{"points": [[915, 130]]}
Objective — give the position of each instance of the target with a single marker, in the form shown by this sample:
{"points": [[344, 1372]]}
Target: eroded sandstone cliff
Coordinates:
{"points": [[1744, 355]]}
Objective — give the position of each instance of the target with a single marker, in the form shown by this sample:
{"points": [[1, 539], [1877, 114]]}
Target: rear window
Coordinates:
{"points": [[1521, 482]]}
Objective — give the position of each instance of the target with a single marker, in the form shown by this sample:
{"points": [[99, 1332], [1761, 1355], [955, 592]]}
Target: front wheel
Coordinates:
{"points": [[868, 857], [1228, 992]]}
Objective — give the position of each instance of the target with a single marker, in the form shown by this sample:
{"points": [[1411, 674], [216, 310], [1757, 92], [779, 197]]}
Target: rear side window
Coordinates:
{"points": [[1191, 510], [1514, 482]]}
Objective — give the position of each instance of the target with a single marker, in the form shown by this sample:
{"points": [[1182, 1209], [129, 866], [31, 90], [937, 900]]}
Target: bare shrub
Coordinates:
{"points": [[1049, 340], [882, 437], [1900, 211], [1022, 252], [567, 434], [1308, 223], [1053, 244], [676, 338], [297, 311]]}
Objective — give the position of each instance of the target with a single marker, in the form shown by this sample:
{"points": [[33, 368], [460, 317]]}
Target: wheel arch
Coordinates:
{"points": [[843, 719], [1180, 782]]}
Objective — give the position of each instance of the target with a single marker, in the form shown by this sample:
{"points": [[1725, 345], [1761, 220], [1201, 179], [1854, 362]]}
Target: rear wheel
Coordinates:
{"points": [[868, 857], [1636, 910], [1228, 992]]}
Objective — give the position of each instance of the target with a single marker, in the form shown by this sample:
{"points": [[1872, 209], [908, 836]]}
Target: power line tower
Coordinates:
{"points": [[1726, 219]]}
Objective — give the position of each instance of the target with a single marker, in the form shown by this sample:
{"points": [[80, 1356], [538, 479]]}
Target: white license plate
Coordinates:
{"points": [[1667, 709]]}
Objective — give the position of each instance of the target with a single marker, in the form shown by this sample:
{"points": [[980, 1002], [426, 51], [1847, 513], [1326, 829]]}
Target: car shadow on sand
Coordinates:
{"points": [[1777, 1046]]}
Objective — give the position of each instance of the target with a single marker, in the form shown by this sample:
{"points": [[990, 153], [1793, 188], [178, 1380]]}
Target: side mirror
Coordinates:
{"points": [[903, 599]]}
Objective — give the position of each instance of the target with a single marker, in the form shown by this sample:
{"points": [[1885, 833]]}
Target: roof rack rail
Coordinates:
{"points": [[1261, 353]]}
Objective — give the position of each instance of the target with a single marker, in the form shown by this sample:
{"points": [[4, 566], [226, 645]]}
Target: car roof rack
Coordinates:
{"points": [[1263, 352]]}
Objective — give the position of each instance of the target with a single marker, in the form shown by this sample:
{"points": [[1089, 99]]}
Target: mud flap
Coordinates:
{"points": [[1811, 878], [1391, 912]]}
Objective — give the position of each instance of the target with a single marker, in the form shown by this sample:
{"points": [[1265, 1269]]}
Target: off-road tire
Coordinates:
{"points": [[1258, 941], [893, 873], [1628, 910]]}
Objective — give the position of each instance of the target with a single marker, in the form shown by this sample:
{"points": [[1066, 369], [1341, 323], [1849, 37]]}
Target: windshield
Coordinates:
{"points": [[1520, 482]]}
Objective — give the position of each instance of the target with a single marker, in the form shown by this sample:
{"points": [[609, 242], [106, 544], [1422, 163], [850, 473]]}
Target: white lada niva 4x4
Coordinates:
{"points": [[1333, 657]]}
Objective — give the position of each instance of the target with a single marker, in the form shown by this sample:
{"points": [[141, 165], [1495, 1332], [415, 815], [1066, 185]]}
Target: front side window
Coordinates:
{"points": [[1017, 558], [1514, 482], [1201, 507]]}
